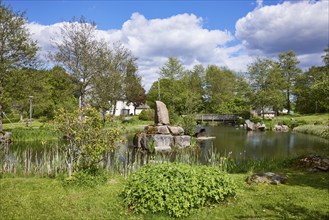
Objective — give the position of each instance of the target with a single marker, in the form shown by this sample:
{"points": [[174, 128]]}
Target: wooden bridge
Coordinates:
{"points": [[227, 118]]}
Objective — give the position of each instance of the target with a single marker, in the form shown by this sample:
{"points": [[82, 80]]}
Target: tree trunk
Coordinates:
{"points": [[288, 101], [114, 107]]}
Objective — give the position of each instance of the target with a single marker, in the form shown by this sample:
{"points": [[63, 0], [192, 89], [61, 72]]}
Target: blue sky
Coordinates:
{"points": [[225, 33]]}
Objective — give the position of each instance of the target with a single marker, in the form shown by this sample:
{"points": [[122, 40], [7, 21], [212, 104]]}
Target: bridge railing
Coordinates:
{"points": [[217, 117]]}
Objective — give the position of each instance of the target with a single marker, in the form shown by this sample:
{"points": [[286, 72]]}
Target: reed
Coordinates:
{"points": [[50, 161]]}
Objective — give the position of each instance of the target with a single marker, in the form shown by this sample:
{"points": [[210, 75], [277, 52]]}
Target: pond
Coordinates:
{"points": [[45, 158], [261, 145]]}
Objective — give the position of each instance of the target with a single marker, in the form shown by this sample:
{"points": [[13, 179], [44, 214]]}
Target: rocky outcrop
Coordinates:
{"points": [[251, 126], [161, 136], [266, 178], [313, 163], [282, 128]]}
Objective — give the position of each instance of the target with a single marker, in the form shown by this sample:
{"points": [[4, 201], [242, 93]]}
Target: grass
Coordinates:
{"points": [[10, 126], [32, 134], [318, 130], [305, 196], [322, 118]]}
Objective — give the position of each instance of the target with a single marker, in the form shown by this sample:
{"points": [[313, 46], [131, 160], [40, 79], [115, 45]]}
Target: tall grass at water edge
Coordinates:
{"points": [[51, 161], [318, 130], [32, 134]]}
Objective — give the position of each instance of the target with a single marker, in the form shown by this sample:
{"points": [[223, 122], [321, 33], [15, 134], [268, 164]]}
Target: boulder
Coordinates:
{"points": [[261, 127], [250, 125], [266, 178], [161, 114], [176, 130], [152, 129], [182, 141], [313, 163], [159, 142]]}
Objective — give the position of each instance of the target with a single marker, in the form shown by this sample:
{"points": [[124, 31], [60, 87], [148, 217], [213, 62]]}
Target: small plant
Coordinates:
{"points": [[176, 189], [86, 178], [146, 115]]}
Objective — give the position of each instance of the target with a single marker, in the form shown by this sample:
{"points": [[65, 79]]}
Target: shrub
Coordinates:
{"points": [[189, 123], [146, 115], [87, 138], [176, 189]]}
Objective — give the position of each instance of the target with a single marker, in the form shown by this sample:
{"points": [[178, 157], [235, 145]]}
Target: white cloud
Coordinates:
{"points": [[300, 26], [154, 40]]}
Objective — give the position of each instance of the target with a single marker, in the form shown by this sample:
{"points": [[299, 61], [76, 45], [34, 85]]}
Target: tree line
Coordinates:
{"points": [[268, 84], [94, 71], [88, 69]]}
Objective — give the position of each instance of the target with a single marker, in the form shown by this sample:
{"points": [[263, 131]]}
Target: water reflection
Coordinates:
{"points": [[257, 145]]}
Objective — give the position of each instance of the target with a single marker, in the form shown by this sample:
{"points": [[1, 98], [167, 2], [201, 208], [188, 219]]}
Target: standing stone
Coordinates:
{"points": [[161, 114]]}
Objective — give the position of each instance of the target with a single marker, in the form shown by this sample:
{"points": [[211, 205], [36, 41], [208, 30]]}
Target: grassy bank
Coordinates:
{"points": [[305, 196], [318, 130], [308, 119]]}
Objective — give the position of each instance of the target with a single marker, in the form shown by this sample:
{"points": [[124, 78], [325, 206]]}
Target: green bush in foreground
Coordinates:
{"points": [[176, 189]]}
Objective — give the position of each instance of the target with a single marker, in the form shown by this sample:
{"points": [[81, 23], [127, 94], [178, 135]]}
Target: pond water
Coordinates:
{"points": [[260, 145], [48, 157]]}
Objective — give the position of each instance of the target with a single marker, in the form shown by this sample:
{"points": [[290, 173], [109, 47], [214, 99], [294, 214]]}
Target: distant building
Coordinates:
{"points": [[268, 113], [124, 108]]}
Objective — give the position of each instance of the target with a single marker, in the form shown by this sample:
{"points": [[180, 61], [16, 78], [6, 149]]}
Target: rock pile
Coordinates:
{"points": [[161, 136], [282, 128], [266, 178], [313, 163], [251, 126]]}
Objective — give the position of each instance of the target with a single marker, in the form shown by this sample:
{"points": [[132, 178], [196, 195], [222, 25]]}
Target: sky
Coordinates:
{"points": [[227, 33]]}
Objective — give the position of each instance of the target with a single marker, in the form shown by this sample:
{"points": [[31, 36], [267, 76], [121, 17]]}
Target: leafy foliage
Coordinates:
{"points": [[87, 139], [146, 115], [188, 123], [17, 50], [176, 189]]}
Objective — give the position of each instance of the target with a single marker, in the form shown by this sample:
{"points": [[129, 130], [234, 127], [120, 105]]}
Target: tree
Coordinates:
{"points": [[17, 50], [172, 69], [51, 90], [288, 63], [192, 93], [266, 84], [114, 80], [134, 91], [79, 52], [312, 90], [325, 57], [220, 89]]}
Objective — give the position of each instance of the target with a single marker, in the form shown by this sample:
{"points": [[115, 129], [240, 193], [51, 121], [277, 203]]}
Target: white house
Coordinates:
{"points": [[124, 108]]}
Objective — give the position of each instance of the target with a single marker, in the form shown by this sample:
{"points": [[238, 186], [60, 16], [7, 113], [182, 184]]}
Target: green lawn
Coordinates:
{"points": [[309, 119], [305, 196]]}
